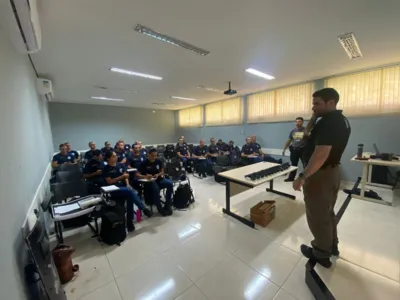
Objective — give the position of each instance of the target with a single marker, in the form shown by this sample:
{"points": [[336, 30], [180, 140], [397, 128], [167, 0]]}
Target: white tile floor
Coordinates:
{"points": [[201, 254]]}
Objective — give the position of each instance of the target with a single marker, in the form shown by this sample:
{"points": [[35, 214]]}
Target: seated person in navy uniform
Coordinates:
{"points": [[264, 157], [114, 173], [221, 145], [200, 158], [152, 169], [107, 147], [183, 152], [213, 151], [182, 137], [143, 151], [89, 154], [227, 148], [63, 157], [93, 170], [133, 162], [120, 152], [250, 153], [73, 153], [127, 148]]}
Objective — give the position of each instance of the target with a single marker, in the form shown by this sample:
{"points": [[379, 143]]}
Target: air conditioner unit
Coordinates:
{"points": [[45, 88], [20, 20]]}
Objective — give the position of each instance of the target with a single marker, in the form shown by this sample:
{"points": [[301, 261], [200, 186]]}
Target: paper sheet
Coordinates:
{"points": [[109, 188], [62, 209]]}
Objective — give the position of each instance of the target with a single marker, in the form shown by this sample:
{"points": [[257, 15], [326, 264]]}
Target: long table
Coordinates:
{"points": [[237, 183], [367, 174]]}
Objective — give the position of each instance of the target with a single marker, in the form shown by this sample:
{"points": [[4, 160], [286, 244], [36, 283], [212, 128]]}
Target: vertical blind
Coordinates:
{"points": [[191, 117], [226, 112], [280, 105], [368, 93]]}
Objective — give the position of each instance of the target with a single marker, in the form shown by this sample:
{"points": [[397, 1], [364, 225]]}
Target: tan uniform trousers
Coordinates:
{"points": [[320, 194]]}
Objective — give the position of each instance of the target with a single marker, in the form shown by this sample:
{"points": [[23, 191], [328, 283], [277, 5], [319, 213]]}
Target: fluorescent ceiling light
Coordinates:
{"points": [[260, 74], [209, 89], [100, 87], [183, 98], [132, 73], [106, 98], [170, 40], [350, 45]]}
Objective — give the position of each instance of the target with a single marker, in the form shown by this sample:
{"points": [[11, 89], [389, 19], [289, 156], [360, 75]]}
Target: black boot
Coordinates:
{"points": [[167, 209], [309, 253], [130, 226], [335, 251], [147, 212], [162, 211]]}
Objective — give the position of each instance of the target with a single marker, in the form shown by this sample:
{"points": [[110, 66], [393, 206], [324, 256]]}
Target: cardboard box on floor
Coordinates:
{"points": [[263, 212]]}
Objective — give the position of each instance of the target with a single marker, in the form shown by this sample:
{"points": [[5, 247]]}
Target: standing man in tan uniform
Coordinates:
{"points": [[321, 178]]}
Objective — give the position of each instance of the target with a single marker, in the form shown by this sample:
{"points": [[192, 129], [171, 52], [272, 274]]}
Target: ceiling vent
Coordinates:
{"points": [[170, 40], [350, 45]]}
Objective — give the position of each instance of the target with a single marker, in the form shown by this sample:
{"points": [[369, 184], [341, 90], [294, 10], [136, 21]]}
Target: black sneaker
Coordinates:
{"points": [[147, 212], [309, 253], [335, 251], [167, 210], [162, 212], [204, 175], [130, 227], [289, 179]]}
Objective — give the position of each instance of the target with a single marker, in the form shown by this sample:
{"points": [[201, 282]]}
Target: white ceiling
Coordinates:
{"points": [[293, 40]]}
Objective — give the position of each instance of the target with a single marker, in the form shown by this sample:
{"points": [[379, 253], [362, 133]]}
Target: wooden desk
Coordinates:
{"points": [[237, 183], [367, 174]]}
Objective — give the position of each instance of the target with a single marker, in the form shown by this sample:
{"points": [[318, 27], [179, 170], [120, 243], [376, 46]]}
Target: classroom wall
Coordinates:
{"points": [[26, 148], [81, 123], [381, 130]]}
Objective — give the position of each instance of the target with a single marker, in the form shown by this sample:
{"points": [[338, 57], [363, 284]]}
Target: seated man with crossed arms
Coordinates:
{"points": [[250, 153], [182, 151], [93, 171], [152, 170], [200, 157], [63, 157]]}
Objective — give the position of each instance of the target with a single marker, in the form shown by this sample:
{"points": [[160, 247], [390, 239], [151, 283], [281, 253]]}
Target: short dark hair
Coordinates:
{"points": [[108, 155], [327, 94], [300, 118], [97, 152], [152, 150], [61, 145], [106, 142]]}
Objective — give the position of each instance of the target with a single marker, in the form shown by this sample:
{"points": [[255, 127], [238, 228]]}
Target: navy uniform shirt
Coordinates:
{"points": [[212, 149], [182, 149], [257, 147], [89, 154], [249, 149], [143, 152], [115, 171], [198, 151], [105, 150], [127, 147], [60, 159], [121, 155], [151, 168], [227, 148], [74, 154], [333, 129], [92, 166], [135, 161]]}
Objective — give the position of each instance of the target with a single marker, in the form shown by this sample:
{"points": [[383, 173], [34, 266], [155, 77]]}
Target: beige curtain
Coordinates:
{"points": [[191, 117], [280, 105], [368, 93], [226, 112]]}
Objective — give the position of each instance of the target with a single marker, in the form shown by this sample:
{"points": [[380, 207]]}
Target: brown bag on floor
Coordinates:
{"points": [[62, 260]]}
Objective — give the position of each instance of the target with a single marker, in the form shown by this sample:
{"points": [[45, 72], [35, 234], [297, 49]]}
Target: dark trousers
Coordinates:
{"points": [[296, 154], [320, 194], [203, 166], [152, 190], [131, 198]]}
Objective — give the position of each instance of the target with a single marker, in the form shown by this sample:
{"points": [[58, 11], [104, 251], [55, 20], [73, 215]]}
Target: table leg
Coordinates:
{"points": [[364, 179], [227, 209], [271, 190]]}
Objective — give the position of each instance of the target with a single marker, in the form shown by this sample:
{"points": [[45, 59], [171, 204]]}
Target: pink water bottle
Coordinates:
{"points": [[138, 215]]}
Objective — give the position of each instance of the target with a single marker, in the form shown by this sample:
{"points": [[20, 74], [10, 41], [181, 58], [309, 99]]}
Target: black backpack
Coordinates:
{"points": [[113, 230], [183, 196]]}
